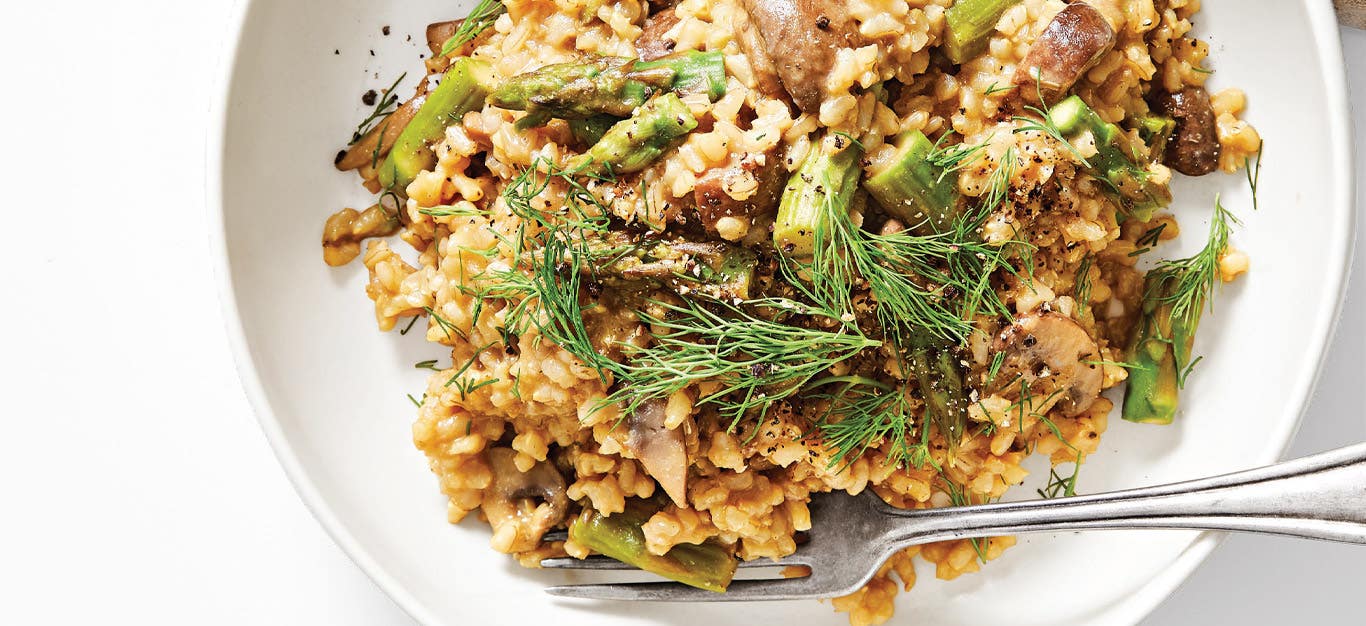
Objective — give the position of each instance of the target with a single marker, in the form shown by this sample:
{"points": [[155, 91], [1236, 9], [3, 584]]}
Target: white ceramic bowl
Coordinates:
{"points": [[329, 389]]}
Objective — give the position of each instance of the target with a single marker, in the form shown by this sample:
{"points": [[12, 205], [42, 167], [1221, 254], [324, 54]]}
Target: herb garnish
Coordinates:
{"points": [[383, 109], [1185, 284], [480, 18], [756, 361]]}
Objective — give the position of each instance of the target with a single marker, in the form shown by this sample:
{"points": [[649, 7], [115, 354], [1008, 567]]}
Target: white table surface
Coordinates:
{"points": [[135, 486]]}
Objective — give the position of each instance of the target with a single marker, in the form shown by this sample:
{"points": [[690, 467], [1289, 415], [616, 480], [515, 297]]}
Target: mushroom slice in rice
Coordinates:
{"points": [[659, 448], [372, 147], [652, 43], [1077, 38], [1054, 357], [530, 502], [801, 38], [1194, 148]]}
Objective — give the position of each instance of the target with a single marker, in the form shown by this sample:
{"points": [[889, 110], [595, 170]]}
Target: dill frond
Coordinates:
{"points": [[755, 361], [479, 19], [384, 107]]}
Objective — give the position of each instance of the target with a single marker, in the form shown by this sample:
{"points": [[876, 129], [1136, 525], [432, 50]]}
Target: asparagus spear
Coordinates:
{"points": [[1174, 298], [607, 85], [826, 180], [941, 384], [633, 144], [590, 131], [463, 89], [970, 24], [719, 270], [1117, 162], [706, 566], [1155, 130], [912, 188], [1151, 396]]}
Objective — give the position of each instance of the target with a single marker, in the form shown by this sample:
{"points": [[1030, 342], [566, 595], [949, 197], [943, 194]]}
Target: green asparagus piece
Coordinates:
{"points": [[1118, 162], [1155, 130], [941, 384], [824, 180], [718, 270], [1174, 298], [463, 89], [633, 144], [607, 85], [970, 24], [1160, 346], [912, 188], [695, 72], [590, 131], [706, 566]]}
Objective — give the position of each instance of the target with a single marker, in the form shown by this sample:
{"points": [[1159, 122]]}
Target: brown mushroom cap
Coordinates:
{"points": [[1194, 147], [1077, 38], [713, 201], [1055, 356], [801, 38], [751, 42], [652, 44], [513, 498], [659, 449]]}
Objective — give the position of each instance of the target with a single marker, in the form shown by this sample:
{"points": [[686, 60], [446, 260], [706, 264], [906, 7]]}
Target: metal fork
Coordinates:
{"points": [[1317, 497]]}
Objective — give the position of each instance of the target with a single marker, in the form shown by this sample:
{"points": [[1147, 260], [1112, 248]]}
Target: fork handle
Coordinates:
{"points": [[1317, 497]]}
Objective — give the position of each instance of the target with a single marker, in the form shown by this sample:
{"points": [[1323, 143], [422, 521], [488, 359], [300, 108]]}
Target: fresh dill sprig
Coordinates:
{"points": [[928, 290], [1195, 276], [480, 18], [754, 361], [997, 360], [411, 321], [1186, 284], [1060, 486], [953, 158], [994, 89], [925, 285], [446, 327], [1082, 292], [560, 246], [385, 106], [1044, 124], [959, 497], [427, 365], [865, 412], [417, 403], [1148, 239], [465, 385], [1254, 177], [453, 210]]}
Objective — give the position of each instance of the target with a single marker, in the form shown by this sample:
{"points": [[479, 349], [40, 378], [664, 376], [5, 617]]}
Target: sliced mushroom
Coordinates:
{"points": [[801, 38], [712, 193], [382, 135], [765, 72], [531, 502], [1055, 357], [652, 44], [1077, 38], [441, 32], [1194, 147], [659, 449], [344, 231]]}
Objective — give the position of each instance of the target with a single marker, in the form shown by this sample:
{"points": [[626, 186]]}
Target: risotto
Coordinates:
{"points": [[695, 261]]}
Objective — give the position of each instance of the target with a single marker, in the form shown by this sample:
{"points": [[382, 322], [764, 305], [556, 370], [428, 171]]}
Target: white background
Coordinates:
{"points": [[135, 486]]}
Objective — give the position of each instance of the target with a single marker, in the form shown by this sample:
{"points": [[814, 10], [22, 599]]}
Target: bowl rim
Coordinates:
{"points": [[1324, 28]]}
